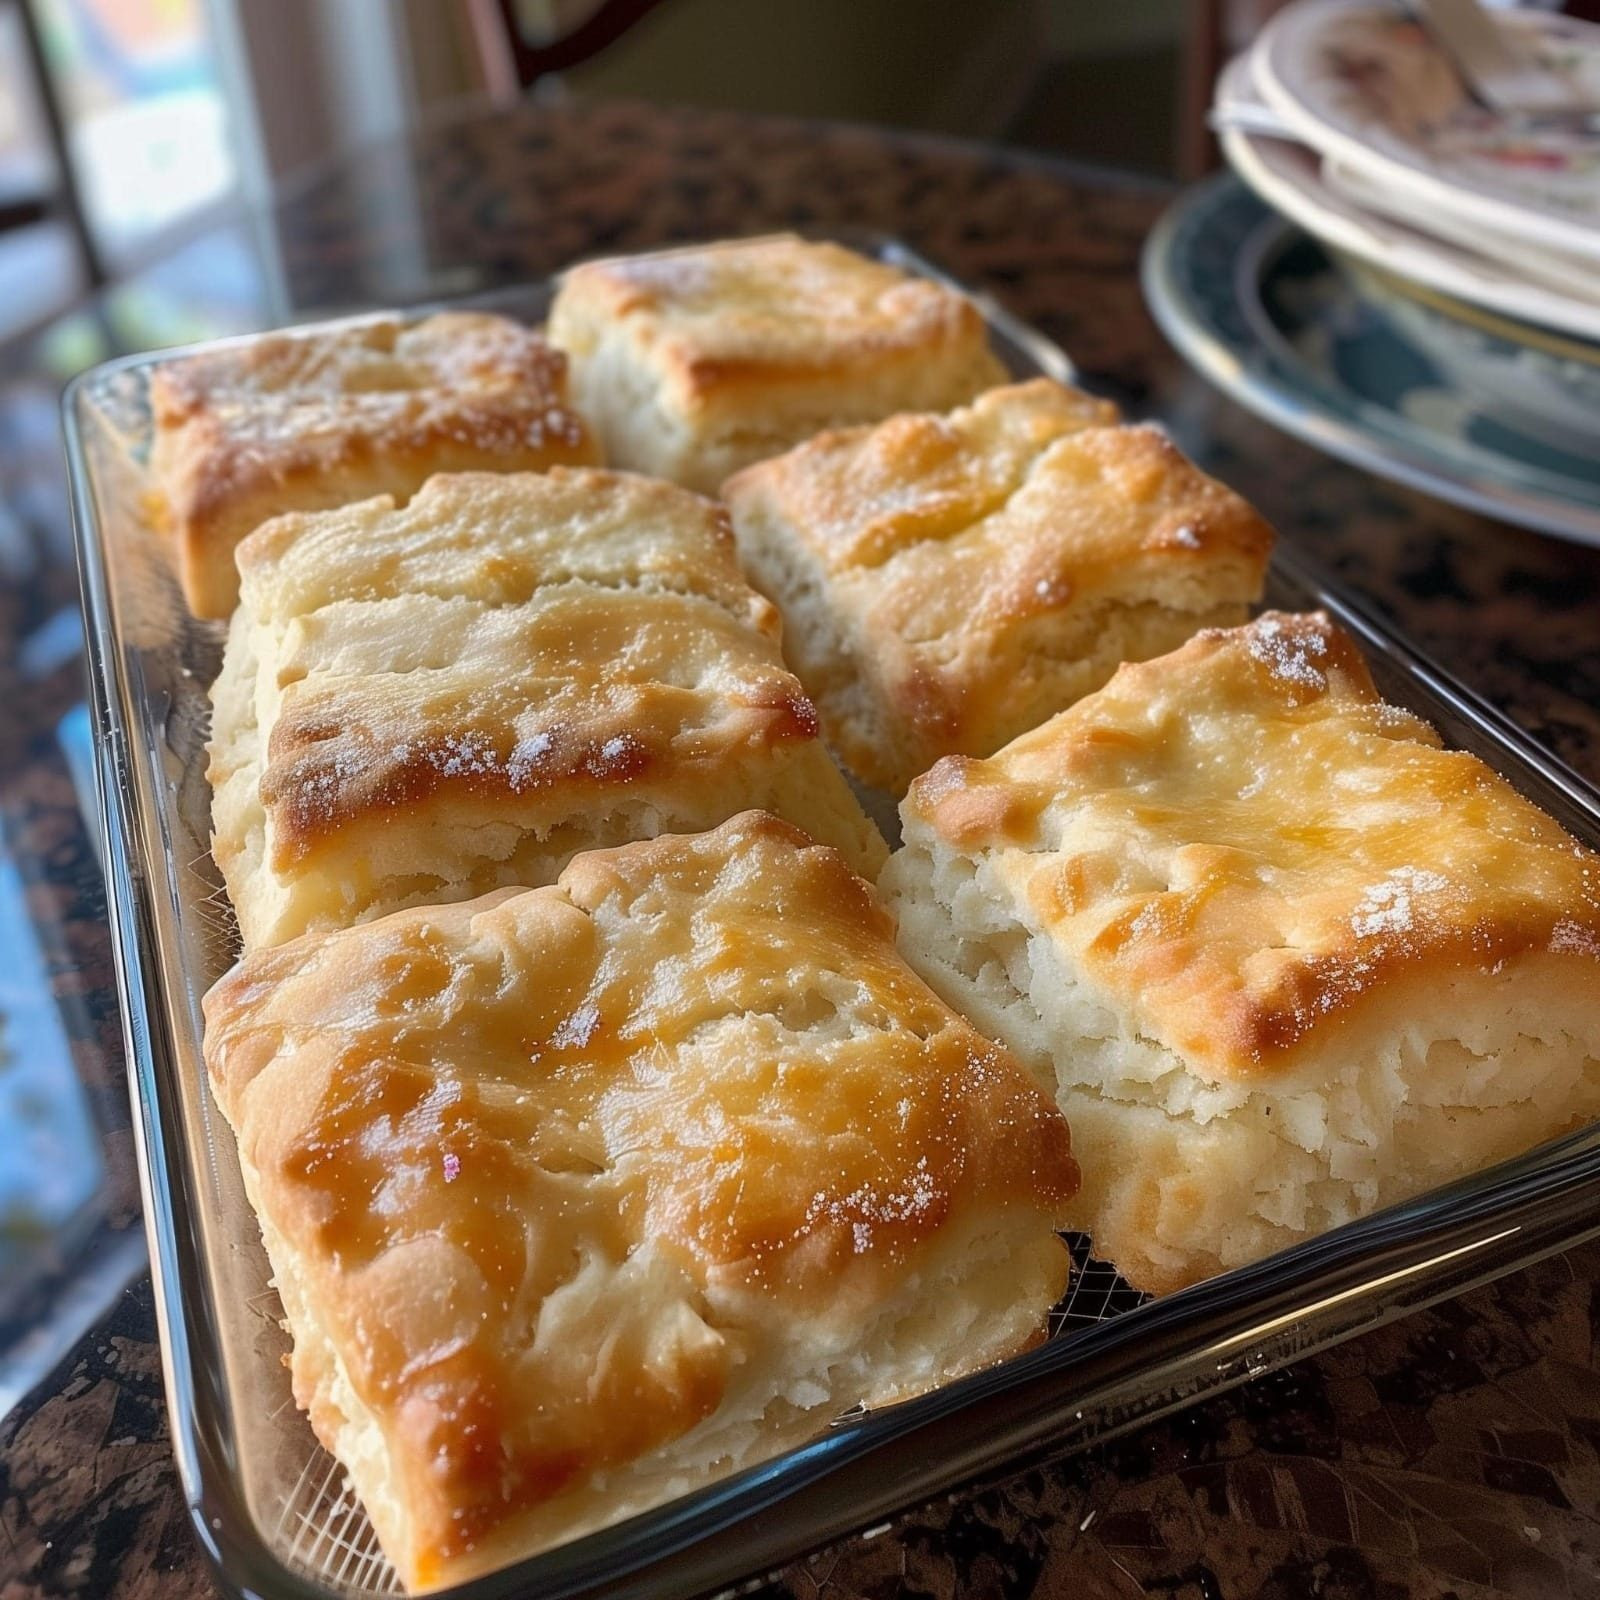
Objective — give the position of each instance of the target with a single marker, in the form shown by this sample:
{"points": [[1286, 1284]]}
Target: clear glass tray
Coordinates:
{"points": [[270, 1505]]}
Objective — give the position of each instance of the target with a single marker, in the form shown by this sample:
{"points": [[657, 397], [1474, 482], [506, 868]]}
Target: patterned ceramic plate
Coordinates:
{"points": [[1367, 87], [1269, 316], [1290, 176]]}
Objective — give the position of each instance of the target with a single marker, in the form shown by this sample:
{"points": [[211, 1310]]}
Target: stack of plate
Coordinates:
{"points": [[1405, 276]]}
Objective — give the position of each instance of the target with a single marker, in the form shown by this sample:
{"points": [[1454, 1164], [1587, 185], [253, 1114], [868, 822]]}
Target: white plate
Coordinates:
{"points": [[1289, 177], [1569, 275], [1366, 87]]}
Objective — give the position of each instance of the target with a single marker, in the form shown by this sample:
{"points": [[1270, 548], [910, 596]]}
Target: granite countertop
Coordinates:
{"points": [[1454, 1452]]}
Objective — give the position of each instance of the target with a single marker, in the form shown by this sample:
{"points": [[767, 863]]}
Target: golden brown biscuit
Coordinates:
{"points": [[694, 363], [305, 421], [948, 582], [426, 703], [580, 1197], [1284, 958]]}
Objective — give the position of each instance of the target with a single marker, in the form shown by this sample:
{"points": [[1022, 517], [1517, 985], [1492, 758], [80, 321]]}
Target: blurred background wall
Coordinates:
{"points": [[126, 125], [1052, 73]]}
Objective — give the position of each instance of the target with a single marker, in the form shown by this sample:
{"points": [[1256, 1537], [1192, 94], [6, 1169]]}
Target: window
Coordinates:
{"points": [[146, 130]]}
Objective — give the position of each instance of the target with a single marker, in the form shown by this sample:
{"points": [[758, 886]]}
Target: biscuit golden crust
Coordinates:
{"points": [[309, 421], [1284, 958], [1285, 843], [427, 702], [858, 497], [583, 1195], [949, 581], [695, 362], [764, 310]]}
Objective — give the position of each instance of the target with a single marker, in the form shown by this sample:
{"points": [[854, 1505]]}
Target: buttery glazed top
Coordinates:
{"points": [[242, 417], [525, 1148], [1238, 840], [969, 556], [504, 635], [1025, 501], [855, 497], [711, 321]]}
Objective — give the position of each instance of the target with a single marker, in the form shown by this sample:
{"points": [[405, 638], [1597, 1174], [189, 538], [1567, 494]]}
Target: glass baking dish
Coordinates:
{"points": [[270, 1506]]}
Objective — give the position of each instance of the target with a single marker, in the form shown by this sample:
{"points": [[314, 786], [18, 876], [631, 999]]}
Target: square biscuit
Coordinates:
{"points": [[307, 421], [427, 702], [948, 582], [1283, 957], [694, 363], [581, 1197]]}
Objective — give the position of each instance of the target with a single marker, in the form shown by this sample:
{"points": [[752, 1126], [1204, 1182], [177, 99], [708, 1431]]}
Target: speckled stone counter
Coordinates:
{"points": [[1456, 1452]]}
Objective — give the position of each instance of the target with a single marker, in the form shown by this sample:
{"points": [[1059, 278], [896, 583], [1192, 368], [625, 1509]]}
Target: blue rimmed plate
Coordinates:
{"points": [[1272, 318]]}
